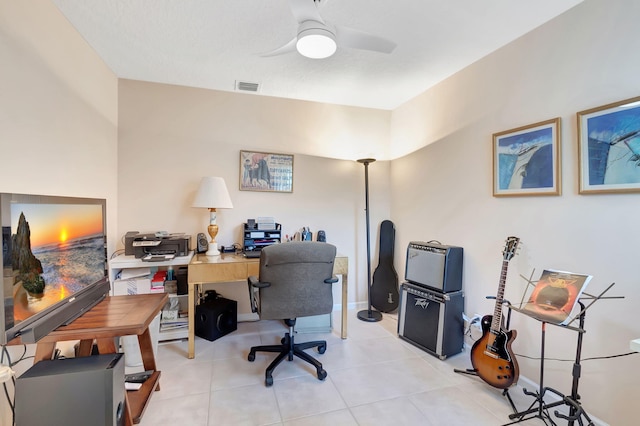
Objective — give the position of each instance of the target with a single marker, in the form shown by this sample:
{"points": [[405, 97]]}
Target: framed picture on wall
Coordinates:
{"points": [[266, 172], [526, 160], [609, 148]]}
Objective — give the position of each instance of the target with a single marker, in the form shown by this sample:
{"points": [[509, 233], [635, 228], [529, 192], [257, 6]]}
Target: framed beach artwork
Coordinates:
{"points": [[609, 148], [266, 172], [526, 160]]}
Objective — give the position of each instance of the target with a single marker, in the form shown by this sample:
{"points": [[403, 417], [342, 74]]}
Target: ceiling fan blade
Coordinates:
{"points": [[305, 10], [289, 47], [348, 37]]}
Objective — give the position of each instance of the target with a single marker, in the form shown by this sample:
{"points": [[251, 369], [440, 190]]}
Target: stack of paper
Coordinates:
{"points": [[127, 274], [266, 223]]}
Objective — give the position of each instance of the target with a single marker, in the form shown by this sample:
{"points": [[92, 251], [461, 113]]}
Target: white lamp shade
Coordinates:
{"points": [[212, 194]]}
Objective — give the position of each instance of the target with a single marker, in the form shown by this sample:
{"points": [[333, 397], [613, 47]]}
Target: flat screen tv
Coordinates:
{"points": [[54, 262]]}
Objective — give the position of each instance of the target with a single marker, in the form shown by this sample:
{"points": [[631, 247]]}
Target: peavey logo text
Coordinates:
{"points": [[423, 303]]}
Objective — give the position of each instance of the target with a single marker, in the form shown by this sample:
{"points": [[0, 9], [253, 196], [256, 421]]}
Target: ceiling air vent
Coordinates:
{"points": [[245, 86]]}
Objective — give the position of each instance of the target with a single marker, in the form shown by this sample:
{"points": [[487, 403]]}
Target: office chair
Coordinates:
{"points": [[295, 281]]}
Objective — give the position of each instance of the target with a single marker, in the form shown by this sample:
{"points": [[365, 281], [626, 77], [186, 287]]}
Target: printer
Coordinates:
{"points": [[142, 245]]}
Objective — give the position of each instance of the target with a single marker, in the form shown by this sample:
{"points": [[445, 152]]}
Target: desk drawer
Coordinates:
{"points": [[218, 273]]}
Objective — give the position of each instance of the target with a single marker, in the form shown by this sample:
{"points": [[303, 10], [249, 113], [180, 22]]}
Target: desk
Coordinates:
{"points": [[113, 317], [235, 267]]}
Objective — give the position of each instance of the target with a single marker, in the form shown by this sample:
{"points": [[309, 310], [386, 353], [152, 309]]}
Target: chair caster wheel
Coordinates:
{"points": [[322, 374], [268, 381], [322, 349], [251, 357]]}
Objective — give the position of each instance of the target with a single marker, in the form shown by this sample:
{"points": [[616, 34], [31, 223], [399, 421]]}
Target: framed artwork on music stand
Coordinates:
{"points": [[555, 296]]}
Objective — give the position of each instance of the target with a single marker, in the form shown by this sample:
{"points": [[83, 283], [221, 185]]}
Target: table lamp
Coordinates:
{"points": [[212, 194]]}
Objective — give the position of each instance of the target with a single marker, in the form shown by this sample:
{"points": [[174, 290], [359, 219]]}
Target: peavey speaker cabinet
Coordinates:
{"points": [[216, 318], [431, 320]]}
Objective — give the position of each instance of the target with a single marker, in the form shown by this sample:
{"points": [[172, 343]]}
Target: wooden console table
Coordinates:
{"points": [[115, 316], [230, 267]]}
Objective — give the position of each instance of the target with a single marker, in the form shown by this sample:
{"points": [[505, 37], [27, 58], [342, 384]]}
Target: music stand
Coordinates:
{"points": [[539, 408]]}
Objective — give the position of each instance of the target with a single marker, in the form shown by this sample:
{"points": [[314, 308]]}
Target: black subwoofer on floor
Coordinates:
{"points": [[72, 392], [216, 318]]}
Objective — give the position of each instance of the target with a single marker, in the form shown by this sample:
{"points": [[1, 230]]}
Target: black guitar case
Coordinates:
{"points": [[384, 289]]}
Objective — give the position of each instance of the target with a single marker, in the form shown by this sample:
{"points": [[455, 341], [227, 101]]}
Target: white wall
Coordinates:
{"points": [[172, 136], [58, 115], [585, 58]]}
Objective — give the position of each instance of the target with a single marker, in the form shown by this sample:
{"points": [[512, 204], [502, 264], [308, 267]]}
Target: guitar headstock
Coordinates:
{"points": [[510, 248]]}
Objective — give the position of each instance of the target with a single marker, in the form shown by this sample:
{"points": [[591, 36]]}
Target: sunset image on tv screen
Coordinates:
{"points": [[66, 240]]}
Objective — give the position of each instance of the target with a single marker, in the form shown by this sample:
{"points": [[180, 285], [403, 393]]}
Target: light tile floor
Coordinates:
{"points": [[374, 378]]}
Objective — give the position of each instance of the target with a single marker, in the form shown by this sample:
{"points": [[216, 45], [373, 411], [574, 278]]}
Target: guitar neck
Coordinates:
{"points": [[496, 323]]}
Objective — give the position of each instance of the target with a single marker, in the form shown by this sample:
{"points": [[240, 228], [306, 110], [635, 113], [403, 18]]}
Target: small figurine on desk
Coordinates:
{"points": [[306, 234]]}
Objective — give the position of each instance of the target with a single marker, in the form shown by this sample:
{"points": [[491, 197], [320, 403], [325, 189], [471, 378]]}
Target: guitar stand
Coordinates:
{"points": [[539, 408], [474, 372], [505, 392]]}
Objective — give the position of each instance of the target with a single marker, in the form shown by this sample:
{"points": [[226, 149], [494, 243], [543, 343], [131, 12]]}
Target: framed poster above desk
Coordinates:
{"points": [[229, 267]]}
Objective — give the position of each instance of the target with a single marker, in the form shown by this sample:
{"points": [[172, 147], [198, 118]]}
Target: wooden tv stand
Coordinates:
{"points": [[115, 316]]}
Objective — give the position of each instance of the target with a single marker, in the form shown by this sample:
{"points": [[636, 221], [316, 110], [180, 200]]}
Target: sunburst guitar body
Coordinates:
{"points": [[492, 358], [491, 355]]}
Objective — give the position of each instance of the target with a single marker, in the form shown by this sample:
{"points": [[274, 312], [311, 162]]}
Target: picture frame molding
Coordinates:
{"points": [[555, 190], [582, 117], [274, 175]]}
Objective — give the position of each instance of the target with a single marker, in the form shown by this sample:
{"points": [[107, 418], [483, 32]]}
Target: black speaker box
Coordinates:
{"points": [[216, 318], [434, 265], [431, 320], [181, 277], [74, 391]]}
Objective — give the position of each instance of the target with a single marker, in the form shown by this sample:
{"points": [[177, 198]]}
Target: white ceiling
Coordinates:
{"points": [[214, 43]]}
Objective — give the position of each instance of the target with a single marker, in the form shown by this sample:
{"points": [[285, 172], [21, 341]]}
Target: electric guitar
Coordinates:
{"points": [[491, 355]]}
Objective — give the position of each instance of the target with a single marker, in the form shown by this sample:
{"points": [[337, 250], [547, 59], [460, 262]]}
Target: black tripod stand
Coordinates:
{"points": [[539, 408]]}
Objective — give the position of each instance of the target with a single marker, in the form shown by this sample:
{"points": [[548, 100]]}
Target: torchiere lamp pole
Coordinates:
{"points": [[368, 315]]}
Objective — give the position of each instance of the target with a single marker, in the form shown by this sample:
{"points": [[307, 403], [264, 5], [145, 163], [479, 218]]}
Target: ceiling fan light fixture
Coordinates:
{"points": [[316, 43]]}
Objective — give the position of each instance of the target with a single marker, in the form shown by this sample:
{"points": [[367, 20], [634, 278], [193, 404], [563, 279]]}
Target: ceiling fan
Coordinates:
{"points": [[318, 39]]}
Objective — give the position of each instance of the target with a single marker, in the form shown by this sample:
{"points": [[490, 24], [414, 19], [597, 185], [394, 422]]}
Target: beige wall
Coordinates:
{"points": [[61, 109], [58, 115], [443, 191], [172, 136]]}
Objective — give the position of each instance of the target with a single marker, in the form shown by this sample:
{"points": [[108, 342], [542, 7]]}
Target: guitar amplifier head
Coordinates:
{"points": [[435, 266]]}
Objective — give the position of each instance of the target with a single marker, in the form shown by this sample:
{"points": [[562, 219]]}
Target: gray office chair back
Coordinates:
{"points": [[296, 272]]}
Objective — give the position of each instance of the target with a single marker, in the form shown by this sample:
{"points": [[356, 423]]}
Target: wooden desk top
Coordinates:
{"points": [[112, 317], [222, 259], [230, 267], [226, 258]]}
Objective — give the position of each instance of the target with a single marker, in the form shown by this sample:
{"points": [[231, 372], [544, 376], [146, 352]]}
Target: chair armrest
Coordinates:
{"points": [[333, 279], [254, 282], [254, 291]]}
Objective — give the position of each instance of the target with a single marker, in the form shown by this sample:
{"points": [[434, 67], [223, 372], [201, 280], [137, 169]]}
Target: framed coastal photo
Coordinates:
{"points": [[609, 148], [266, 172], [526, 160]]}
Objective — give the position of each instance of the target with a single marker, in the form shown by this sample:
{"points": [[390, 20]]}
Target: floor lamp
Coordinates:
{"points": [[368, 315]]}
